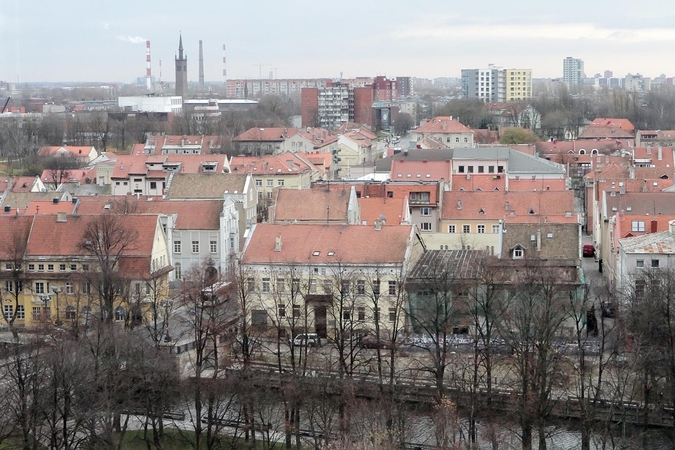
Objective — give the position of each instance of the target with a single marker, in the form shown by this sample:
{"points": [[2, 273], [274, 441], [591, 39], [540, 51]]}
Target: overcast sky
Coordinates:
{"points": [[76, 40]]}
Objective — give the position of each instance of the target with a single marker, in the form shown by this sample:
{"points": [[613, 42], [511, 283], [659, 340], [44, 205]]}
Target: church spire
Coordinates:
{"points": [[180, 46]]}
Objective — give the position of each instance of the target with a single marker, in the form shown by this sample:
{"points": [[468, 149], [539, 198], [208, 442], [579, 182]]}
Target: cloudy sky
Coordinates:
{"points": [[76, 40]]}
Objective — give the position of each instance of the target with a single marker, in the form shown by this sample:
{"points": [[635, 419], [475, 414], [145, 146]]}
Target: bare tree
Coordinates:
{"points": [[106, 238], [60, 168]]}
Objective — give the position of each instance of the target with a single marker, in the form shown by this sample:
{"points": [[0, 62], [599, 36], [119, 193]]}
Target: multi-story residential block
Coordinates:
{"points": [[518, 84], [573, 71], [152, 104], [328, 278], [52, 270], [177, 145], [252, 88]]}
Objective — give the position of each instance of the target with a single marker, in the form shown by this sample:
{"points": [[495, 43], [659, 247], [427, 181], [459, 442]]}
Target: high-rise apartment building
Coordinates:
{"points": [[518, 84], [496, 84], [573, 70]]}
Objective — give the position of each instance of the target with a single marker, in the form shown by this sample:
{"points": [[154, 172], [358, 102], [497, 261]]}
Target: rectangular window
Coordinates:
{"points": [[20, 312], [41, 267], [295, 285], [425, 226], [495, 229], [31, 267], [39, 287], [466, 228], [346, 314], [392, 314], [312, 286], [69, 288], [425, 211], [481, 169], [282, 310], [86, 288], [470, 169], [638, 225], [392, 288], [361, 311], [655, 263], [213, 246], [8, 311], [195, 246], [280, 182], [452, 229], [73, 267], [258, 183], [9, 286], [265, 284], [177, 247], [296, 311], [460, 169], [153, 185], [62, 267], [270, 183], [36, 313], [50, 267], [281, 285], [85, 267], [376, 314], [500, 169], [376, 287], [640, 263], [491, 169], [250, 284], [361, 287], [480, 229]]}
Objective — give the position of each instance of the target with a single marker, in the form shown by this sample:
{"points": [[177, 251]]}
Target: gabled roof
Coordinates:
{"points": [[48, 237], [661, 157], [49, 207], [23, 184], [327, 244], [79, 151], [605, 132], [652, 203], [274, 134], [653, 243], [318, 137], [311, 205], [191, 214], [284, 164], [205, 185], [511, 205], [391, 208], [443, 124]]}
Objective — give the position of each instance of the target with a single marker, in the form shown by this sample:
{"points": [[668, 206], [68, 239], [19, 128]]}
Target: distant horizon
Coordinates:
{"points": [[300, 39]]}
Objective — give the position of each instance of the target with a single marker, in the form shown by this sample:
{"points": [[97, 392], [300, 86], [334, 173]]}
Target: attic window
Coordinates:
{"points": [[531, 211], [331, 253], [316, 253], [481, 211]]}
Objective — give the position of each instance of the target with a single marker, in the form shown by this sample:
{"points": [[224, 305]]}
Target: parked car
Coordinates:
{"points": [[589, 250], [371, 341], [306, 339]]}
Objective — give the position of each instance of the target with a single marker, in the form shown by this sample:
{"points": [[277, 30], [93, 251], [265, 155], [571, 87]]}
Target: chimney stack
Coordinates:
{"points": [[201, 66], [61, 217], [148, 67], [660, 153], [277, 243]]}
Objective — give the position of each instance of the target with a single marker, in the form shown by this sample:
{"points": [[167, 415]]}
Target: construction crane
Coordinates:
{"points": [[275, 71], [6, 103]]}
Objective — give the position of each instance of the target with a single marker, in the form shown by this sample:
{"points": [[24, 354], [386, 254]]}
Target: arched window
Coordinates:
{"points": [[582, 152]]}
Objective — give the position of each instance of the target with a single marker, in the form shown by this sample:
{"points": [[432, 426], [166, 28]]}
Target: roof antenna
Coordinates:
{"points": [[328, 215]]}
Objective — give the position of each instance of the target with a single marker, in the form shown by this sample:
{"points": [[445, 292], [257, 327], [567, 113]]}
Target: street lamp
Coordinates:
{"points": [[56, 290], [45, 300], [166, 304]]}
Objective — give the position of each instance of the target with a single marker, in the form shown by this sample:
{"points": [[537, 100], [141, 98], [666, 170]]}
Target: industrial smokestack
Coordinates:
{"points": [[148, 67], [201, 67], [224, 63]]}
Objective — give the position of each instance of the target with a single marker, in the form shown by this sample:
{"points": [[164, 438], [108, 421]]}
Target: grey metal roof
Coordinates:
{"points": [[519, 162], [458, 264]]}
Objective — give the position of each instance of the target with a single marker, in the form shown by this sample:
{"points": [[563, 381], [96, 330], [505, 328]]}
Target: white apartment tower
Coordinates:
{"points": [[573, 71]]}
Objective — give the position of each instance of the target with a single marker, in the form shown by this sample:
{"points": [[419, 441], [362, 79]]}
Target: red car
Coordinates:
{"points": [[589, 250]]}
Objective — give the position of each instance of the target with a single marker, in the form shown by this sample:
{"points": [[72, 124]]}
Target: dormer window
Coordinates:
{"points": [[518, 253], [331, 253], [531, 211]]}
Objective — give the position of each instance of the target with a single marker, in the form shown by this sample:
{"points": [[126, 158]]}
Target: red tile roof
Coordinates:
{"points": [[313, 244], [191, 214], [266, 134], [443, 124], [51, 238], [512, 205], [624, 124], [14, 232], [391, 208], [283, 164], [23, 184], [315, 205], [80, 152], [46, 207]]}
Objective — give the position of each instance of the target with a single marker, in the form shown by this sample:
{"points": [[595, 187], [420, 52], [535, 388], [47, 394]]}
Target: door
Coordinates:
{"points": [[320, 321]]}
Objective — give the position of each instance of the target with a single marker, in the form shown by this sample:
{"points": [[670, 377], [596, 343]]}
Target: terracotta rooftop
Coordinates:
{"points": [[191, 214], [391, 208], [314, 205], [624, 124], [79, 151], [443, 124], [503, 205], [266, 134], [327, 244], [283, 164], [14, 232]]}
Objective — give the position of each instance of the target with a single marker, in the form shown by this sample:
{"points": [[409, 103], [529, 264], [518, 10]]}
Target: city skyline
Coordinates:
{"points": [[106, 43]]}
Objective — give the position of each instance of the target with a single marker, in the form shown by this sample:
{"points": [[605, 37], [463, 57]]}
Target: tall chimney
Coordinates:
{"points": [[201, 67], [660, 153], [148, 67], [277, 242]]}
